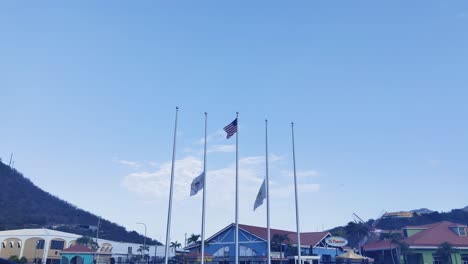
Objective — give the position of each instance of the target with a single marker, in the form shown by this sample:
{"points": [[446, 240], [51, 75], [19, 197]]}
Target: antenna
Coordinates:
{"points": [[11, 157]]}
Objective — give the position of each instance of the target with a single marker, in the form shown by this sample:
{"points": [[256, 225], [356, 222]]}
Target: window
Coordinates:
{"points": [[129, 250], [222, 252], [3, 245], [464, 259], [57, 244], [461, 231], [18, 244], [11, 244], [437, 260], [40, 244], [246, 251]]}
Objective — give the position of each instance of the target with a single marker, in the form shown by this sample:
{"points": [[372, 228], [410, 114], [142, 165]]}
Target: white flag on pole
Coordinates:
{"points": [[260, 196], [197, 184]]}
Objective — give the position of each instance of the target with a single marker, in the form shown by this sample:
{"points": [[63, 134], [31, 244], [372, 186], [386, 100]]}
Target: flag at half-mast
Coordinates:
{"points": [[260, 196], [197, 184], [231, 129]]}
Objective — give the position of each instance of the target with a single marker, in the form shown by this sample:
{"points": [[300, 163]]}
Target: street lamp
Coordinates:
{"points": [[144, 241]]}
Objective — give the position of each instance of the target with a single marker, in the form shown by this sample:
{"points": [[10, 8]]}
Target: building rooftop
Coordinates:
{"points": [[78, 249], [431, 236]]}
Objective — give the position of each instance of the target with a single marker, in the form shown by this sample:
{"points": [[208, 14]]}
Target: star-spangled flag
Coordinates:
{"points": [[231, 129], [197, 184], [260, 196]]}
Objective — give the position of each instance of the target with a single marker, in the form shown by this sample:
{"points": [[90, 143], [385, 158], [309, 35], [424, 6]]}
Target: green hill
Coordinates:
{"points": [[456, 215], [24, 205]]}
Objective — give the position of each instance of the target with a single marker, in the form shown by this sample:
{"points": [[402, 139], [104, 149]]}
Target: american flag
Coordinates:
{"points": [[231, 129]]}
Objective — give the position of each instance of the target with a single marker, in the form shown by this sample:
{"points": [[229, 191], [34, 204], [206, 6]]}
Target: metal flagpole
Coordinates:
{"points": [[97, 238], [204, 196], [267, 185], [297, 202], [169, 210], [236, 260]]}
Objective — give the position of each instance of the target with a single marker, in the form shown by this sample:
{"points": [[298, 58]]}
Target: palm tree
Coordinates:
{"points": [[193, 239], [277, 240], [404, 250], [445, 250], [88, 242], [355, 232], [175, 245], [143, 251]]}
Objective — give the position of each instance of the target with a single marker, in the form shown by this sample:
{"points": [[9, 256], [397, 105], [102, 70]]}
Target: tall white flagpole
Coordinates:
{"points": [[204, 195], [267, 185], [297, 202], [236, 235], [169, 210]]}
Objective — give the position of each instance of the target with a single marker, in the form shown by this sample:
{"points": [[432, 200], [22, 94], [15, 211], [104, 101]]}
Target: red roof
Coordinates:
{"points": [[431, 236], [307, 238], [378, 245], [437, 234], [78, 249]]}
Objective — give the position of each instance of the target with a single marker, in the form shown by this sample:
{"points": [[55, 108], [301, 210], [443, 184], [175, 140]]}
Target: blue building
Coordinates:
{"points": [[253, 246]]}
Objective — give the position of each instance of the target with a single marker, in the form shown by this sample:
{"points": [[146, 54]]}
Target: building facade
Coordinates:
{"points": [[253, 246], [45, 245], [423, 243]]}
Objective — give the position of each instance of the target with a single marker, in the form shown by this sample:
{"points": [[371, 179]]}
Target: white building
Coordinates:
{"points": [[37, 245]]}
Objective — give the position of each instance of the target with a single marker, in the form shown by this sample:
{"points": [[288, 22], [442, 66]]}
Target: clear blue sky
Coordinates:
{"points": [[377, 89]]}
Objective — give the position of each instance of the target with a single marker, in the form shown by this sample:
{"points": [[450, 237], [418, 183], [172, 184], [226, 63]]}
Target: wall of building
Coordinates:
{"points": [[10, 247]]}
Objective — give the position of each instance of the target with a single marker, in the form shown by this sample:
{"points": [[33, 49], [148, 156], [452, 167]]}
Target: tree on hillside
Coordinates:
{"points": [[88, 242], [355, 232], [193, 239], [445, 250]]}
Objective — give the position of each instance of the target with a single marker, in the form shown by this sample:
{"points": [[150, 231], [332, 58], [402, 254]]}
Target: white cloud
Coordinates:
{"points": [[302, 174], [308, 173], [157, 183], [128, 163], [220, 182], [226, 148], [153, 163], [287, 190], [216, 136]]}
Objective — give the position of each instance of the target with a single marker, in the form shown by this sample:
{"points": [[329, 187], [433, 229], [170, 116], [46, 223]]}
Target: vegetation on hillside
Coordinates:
{"points": [[27, 206], [456, 215]]}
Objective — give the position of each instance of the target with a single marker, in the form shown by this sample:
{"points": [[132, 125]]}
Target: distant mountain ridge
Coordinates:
{"points": [[24, 205]]}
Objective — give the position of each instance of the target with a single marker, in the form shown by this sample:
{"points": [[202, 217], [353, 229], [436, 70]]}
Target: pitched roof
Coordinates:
{"points": [[307, 238], [431, 236], [78, 249], [41, 232], [437, 234], [378, 245]]}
